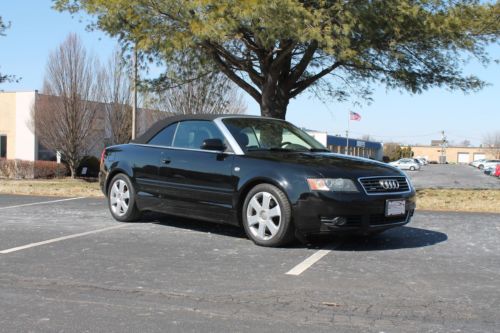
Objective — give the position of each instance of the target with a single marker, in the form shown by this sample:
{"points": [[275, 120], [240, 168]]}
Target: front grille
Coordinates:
{"points": [[381, 219], [372, 185]]}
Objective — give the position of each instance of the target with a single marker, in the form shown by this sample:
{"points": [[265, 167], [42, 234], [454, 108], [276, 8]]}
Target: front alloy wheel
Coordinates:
{"points": [[267, 216]]}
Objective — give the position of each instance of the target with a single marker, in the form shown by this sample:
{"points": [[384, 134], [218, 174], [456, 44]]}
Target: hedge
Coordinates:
{"points": [[30, 169]]}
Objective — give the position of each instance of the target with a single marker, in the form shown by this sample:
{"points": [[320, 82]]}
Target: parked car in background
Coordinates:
{"points": [[422, 160], [497, 171], [262, 174], [419, 161], [489, 170], [488, 164], [406, 164], [476, 163]]}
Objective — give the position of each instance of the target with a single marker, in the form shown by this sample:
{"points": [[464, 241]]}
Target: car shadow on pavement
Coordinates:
{"points": [[394, 239], [193, 225]]}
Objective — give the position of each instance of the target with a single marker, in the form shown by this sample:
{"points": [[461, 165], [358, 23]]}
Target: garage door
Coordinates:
{"points": [[463, 157], [479, 157]]}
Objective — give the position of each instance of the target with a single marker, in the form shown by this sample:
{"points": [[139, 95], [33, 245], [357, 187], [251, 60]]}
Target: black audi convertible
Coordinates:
{"points": [[260, 173]]}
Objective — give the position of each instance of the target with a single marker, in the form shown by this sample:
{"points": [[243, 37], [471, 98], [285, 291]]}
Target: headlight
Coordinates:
{"points": [[331, 184]]}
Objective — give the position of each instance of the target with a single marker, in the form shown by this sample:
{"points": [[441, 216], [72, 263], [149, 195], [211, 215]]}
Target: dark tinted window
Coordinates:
{"points": [[3, 146], [192, 133], [164, 137]]}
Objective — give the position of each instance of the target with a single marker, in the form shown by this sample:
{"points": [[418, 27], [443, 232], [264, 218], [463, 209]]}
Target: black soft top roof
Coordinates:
{"points": [[158, 126]]}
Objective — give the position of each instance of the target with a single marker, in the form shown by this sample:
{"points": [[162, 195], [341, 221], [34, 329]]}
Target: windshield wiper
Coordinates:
{"points": [[271, 149]]}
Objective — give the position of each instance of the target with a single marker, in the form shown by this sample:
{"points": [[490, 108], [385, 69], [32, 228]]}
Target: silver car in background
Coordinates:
{"points": [[486, 164], [476, 163], [406, 164]]}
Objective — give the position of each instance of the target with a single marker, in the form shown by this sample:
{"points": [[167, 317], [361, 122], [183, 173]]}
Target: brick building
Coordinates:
{"points": [[454, 154]]}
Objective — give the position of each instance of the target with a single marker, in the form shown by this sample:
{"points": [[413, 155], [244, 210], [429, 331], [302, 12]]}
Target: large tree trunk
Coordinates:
{"points": [[274, 102]]}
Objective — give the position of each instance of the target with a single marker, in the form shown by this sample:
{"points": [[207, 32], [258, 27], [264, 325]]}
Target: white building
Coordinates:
{"points": [[17, 140]]}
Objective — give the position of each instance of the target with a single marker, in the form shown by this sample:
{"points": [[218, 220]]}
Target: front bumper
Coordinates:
{"points": [[327, 212]]}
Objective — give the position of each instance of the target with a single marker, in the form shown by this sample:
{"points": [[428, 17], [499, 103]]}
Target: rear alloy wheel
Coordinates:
{"points": [[121, 199], [267, 216], [412, 168]]}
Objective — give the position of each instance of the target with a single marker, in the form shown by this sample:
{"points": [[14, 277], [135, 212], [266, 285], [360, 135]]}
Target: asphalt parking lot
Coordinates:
{"points": [[65, 265], [457, 176]]}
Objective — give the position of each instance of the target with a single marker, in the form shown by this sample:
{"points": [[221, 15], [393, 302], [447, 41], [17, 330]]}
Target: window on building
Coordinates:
{"points": [[3, 146]]}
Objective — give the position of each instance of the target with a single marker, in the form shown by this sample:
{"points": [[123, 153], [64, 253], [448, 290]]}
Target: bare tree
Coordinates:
{"points": [[66, 121], [116, 87], [212, 93], [492, 143]]}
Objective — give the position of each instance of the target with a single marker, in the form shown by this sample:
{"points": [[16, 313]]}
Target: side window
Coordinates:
{"points": [[192, 133], [164, 137]]}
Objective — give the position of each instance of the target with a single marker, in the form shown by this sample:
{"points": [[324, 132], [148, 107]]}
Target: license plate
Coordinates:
{"points": [[395, 207]]}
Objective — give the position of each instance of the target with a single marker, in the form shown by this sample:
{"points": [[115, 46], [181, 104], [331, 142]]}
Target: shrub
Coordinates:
{"points": [[92, 164], [48, 169], [29, 169], [16, 169]]}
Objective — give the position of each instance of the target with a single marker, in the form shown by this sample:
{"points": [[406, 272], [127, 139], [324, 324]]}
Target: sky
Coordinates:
{"points": [[393, 116]]}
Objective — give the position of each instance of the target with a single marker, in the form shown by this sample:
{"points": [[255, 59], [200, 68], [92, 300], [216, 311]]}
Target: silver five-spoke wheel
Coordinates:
{"points": [[267, 216], [119, 197], [263, 216]]}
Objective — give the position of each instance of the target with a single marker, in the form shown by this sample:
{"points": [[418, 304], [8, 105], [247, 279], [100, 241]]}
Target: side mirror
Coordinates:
{"points": [[213, 144]]}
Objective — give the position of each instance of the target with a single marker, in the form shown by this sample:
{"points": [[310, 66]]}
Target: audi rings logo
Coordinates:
{"points": [[389, 184]]}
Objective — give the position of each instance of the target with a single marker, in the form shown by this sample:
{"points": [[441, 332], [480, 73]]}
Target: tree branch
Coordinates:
{"points": [[300, 86], [302, 65], [224, 67], [237, 63]]}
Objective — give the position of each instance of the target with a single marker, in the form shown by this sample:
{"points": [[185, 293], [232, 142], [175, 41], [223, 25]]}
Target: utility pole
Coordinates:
{"points": [[442, 160], [134, 94]]}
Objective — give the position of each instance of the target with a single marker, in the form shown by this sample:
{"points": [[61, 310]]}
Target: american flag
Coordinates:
{"points": [[355, 116]]}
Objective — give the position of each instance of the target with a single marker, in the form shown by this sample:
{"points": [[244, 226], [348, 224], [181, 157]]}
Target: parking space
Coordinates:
{"points": [[440, 273], [456, 176]]}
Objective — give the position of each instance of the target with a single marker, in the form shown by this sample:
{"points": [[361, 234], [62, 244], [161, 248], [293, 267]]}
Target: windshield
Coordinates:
{"points": [[270, 134]]}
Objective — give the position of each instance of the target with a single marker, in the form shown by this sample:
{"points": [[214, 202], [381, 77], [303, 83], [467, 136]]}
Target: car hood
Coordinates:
{"points": [[333, 165]]}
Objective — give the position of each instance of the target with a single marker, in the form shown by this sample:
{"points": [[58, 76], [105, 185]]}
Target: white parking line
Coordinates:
{"points": [[308, 262], [41, 203], [28, 246], [312, 259]]}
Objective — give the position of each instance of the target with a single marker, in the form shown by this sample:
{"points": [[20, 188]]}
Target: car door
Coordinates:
{"points": [[146, 168], [197, 182]]}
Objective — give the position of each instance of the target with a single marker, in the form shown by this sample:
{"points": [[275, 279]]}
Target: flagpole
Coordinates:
{"points": [[347, 132]]}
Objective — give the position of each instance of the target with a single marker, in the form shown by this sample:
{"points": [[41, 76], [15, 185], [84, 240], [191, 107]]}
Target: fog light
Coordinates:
{"points": [[335, 221], [339, 221]]}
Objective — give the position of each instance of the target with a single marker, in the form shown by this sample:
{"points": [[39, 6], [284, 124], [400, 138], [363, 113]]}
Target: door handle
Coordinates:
{"points": [[165, 160]]}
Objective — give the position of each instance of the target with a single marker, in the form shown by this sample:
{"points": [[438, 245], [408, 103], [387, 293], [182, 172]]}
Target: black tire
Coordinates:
{"points": [[285, 232], [480, 167], [132, 213], [412, 168]]}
